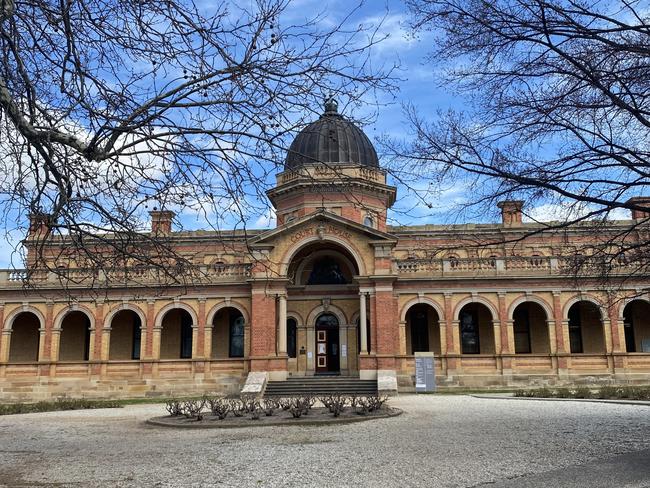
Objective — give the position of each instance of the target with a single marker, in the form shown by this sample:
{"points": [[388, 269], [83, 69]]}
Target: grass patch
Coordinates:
{"points": [[604, 392], [57, 405]]}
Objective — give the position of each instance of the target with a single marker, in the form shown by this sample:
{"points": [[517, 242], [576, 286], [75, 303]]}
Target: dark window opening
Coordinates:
{"points": [[419, 331], [291, 337], [575, 329], [236, 340], [521, 328], [137, 337], [469, 332], [628, 327], [186, 336], [327, 271]]}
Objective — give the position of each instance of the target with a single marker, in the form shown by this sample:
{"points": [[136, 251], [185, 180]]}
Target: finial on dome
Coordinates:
{"points": [[331, 105]]}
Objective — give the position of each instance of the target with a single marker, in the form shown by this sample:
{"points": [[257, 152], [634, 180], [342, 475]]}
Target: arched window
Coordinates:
{"points": [[236, 339], [368, 221], [326, 271], [291, 337], [327, 320]]}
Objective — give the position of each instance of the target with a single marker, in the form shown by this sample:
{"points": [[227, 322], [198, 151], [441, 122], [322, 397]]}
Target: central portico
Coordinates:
{"points": [[325, 269]]}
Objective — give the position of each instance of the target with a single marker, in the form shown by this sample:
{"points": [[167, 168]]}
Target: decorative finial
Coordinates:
{"points": [[331, 105]]}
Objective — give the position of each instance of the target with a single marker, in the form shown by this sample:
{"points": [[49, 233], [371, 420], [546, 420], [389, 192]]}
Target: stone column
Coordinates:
{"points": [[402, 337], [199, 349], [282, 325], [559, 323], [363, 331], [4, 347]]}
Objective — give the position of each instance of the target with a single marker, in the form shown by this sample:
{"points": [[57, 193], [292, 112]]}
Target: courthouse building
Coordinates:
{"points": [[331, 290]]}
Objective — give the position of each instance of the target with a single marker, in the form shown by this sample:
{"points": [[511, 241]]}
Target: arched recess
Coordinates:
{"points": [[422, 329], [583, 298], [425, 300], [586, 331], [74, 339], [11, 317], [548, 310], [176, 332], [228, 333], [125, 306], [321, 309], [327, 241], [530, 328], [225, 304], [636, 324], [24, 340], [176, 305], [126, 327], [476, 328], [476, 299]]}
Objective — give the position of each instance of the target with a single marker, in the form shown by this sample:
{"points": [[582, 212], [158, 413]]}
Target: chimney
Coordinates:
{"points": [[511, 212], [161, 221], [640, 214], [39, 224]]}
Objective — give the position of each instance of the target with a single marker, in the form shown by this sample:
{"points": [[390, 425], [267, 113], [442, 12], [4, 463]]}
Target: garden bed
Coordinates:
{"points": [[641, 393], [221, 412]]}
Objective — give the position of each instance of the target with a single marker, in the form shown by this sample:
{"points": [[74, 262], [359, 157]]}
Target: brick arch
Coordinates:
{"points": [[548, 310], [172, 306], [74, 308], [227, 304], [9, 320], [319, 310], [297, 317], [627, 301], [476, 299], [125, 306], [422, 300], [296, 248], [584, 298]]}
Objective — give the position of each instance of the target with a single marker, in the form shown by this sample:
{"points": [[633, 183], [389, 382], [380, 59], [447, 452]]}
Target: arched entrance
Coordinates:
{"points": [[323, 288], [328, 359]]}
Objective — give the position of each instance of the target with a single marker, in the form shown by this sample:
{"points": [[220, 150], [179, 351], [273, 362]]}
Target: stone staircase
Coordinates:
{"points": [[321, 385]]}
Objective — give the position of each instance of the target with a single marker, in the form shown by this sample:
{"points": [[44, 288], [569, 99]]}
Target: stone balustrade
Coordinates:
{"points": [[510, 266], [134, 276]]}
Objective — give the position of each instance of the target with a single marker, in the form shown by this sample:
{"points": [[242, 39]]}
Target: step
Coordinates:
{"points": [[321, 385]]}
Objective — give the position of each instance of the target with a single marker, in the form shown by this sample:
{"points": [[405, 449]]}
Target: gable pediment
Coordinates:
{"points": [[322, 224]]}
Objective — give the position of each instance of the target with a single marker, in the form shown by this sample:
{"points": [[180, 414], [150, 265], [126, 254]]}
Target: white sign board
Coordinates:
{"points": [[425, 377]]}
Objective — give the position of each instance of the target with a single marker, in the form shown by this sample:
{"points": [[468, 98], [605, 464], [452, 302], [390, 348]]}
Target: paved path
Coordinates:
{"points": [[441, 441]]}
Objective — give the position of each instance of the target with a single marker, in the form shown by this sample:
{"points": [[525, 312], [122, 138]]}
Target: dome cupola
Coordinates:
{"points": [[332, 139]]}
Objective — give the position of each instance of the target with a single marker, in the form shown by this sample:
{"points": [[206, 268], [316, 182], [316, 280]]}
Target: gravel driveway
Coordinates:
{"points": [[455, 441]]}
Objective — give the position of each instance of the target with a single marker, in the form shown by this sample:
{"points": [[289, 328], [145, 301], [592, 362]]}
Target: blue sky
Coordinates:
{"points": [[418, 86]]}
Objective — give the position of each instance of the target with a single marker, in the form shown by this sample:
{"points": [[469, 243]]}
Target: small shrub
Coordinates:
{"points": [[607, 392], [270, 405], [173, 407], [193, 409], [562, 393], [237, 407], [582, 392], [219, 407]]}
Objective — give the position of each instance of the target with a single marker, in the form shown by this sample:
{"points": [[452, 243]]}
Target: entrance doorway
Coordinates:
{"points": [[327, 345]]}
